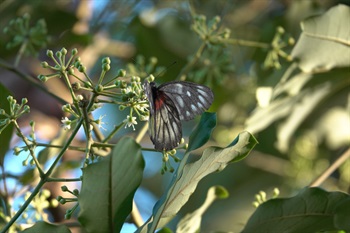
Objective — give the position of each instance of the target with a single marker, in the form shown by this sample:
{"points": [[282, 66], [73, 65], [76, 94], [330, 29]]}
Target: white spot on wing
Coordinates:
{"points": [[188, 94], [201, 92], [201, 99], [194, 107], [200, 105], [180, 101], [178, 88], [188, 113]]}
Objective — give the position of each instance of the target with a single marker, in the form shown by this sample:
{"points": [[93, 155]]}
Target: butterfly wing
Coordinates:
{"points": [[190, 99], [164, 125]]}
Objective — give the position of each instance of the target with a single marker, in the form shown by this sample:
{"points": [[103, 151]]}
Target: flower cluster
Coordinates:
{"points": [[279, 42], [16, 111], [125, 91], [31, 38], [133, 97], [209, 31]]}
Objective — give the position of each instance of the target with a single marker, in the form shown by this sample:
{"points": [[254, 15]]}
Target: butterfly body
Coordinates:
{"points": [[170, 103]]}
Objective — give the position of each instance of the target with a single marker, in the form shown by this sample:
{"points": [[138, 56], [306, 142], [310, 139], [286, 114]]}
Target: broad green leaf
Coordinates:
{"points": [[192, 221], [47, 227], [325, 41], [108, 188], [202, 133], [342, 214], [187, 176], [312, 210], [6, 134]]}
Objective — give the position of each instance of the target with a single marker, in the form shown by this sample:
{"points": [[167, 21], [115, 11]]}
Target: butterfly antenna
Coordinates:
{"points": [[163, 71]]}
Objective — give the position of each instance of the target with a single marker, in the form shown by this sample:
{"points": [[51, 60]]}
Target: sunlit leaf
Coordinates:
{"points": [[325, 41], [192, 221], [187, 176]]}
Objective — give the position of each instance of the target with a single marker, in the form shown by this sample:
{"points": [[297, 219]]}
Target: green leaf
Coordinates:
{"points": [[47, 227], [108, 188], [325, 41], [6, 134], [187, 177], [202, 133], [342, 214], [191, 222], [312, 210]]}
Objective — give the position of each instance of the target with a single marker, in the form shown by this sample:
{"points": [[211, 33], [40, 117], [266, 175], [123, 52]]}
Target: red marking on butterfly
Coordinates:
{"points": [[158, 102], [169, 104]]}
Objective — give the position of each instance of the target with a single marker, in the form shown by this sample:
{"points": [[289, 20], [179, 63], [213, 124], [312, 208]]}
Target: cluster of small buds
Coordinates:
{"points": [[279, 42], [209, 31], [34, 37], [61, 65], [261, 197], [172, 154], [16, 111], [64, 200], [133, 96], [166, 163]]}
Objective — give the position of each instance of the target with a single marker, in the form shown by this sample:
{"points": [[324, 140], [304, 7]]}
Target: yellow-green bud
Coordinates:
{"points": [[153, 60], [99, 88], [58, 54], [106, 60], [70, 71], [42, 78], [74, 51], [106, 67], [24, 163], [280, 30], [17, 150], [64, 51], [44, 64], [121, 73], [49, 53], [26, 109], [82, 68], [24, 100]]}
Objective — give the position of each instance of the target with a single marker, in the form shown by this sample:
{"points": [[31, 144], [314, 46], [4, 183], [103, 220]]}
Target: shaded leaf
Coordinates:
{"points": [[108, 188], [312, 210], [202, 132], [342, 214], [47, 227], [192, 221], [187, 176], [325, 41]]}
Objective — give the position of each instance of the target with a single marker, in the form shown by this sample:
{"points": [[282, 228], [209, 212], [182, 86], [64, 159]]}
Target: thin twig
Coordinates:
{"points": [[30, 79], [319, 180]]}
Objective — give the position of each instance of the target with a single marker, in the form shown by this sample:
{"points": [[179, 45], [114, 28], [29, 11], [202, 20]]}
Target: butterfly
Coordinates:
{"points": [[169, 104]]}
